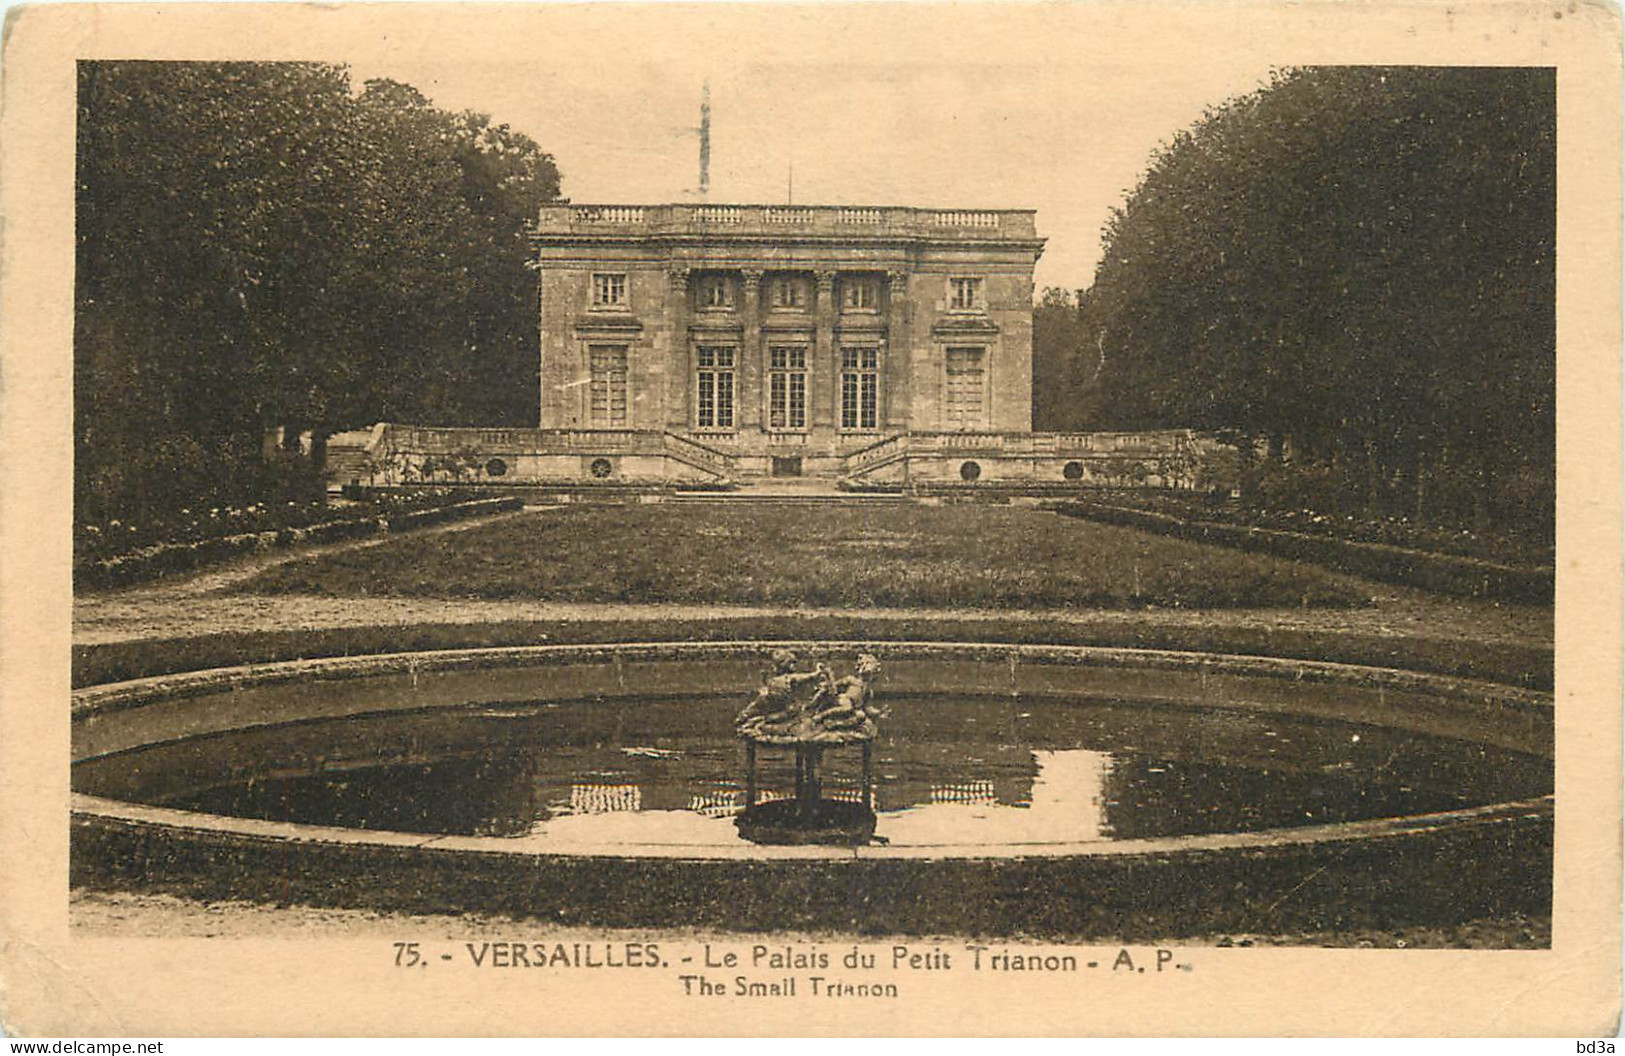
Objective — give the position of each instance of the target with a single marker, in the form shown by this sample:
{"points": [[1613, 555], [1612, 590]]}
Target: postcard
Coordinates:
{"points": [[811, 519]]}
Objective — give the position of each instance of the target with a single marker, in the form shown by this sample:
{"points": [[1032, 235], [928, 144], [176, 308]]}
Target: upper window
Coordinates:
{"points": [[609, 290], [716, 292], [964, 294], [789, 292], [860, 293]]}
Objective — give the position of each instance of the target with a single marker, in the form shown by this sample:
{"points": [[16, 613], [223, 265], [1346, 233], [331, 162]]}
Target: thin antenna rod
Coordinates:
{"points": [[705, 141], [790, 185]]}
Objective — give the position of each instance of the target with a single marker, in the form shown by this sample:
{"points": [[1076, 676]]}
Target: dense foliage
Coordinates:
{"points": [[1066, 361], [259, 245], [1356, 266]]}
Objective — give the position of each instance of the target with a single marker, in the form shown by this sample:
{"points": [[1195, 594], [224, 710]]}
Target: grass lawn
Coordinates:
{"points": [[837, 556]]}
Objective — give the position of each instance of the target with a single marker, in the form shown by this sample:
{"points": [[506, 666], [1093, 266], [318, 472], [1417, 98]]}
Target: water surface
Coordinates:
{"points": [[974, 770]]}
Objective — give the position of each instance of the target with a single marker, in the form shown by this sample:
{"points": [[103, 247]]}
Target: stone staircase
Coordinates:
{"points": [[348, 461], [789, 491]]}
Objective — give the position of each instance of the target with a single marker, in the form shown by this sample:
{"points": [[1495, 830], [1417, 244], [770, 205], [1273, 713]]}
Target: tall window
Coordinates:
{"points": [[964, 295], [715, 387], [860, 294], [860, 388], [789, 292], [607, 388], [608, 290], [787, 388], [966, 388], [716, 292]]}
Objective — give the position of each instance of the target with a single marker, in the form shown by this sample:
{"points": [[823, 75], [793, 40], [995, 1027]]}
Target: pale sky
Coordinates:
{"points": [[905, 109]]}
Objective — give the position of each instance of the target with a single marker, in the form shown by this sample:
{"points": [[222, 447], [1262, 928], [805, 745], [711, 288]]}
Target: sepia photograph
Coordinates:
{"points": [[758, 512]]}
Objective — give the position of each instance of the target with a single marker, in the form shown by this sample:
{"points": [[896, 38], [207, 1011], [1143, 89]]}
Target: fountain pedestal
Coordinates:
{"points": [[809, 817], [838, 713]]}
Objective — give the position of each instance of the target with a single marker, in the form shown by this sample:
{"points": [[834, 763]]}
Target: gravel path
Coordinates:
{"points": [[203, 603]]}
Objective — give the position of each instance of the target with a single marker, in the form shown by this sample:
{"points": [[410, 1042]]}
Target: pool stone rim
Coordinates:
{"points": [[1358, 875]]}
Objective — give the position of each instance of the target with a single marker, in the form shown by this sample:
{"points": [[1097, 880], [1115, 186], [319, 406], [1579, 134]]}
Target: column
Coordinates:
{"points": [[895, 390], [748, 371], [824, 372], [676, 411]]}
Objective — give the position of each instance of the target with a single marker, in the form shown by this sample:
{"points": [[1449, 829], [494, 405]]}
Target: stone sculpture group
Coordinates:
{"points": [[812, 707]]}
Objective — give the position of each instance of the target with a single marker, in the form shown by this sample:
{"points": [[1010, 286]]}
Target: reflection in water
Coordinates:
{"points": [[1063, 803], [601, 799], [964, 771], [972, 793], [717, 803]]}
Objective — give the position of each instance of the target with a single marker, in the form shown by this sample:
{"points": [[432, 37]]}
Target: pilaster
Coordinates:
{"points": [[677, 353], [748, 398], [895, 389], [824, 372]]}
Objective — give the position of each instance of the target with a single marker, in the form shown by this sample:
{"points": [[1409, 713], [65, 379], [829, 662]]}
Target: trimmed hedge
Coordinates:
{"points": [[1525, 665], [1463, 577], [167, 558]]}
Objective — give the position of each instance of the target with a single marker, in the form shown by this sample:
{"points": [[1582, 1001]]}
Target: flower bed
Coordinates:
{"points": [[392, 514], [1451, 574], [1385, 531], [103, 541]]}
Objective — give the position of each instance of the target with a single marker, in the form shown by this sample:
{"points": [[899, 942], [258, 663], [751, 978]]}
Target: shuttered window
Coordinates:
{"points": [[608, 385], [966, 395]]}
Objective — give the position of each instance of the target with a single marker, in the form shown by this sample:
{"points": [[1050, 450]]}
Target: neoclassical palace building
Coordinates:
{"points": [[787, 337], [700, 344]]}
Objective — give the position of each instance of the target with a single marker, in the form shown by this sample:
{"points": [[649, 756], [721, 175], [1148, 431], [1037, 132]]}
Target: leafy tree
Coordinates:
{"points": [[1066, 364], [1356, 264], [258, 245]]}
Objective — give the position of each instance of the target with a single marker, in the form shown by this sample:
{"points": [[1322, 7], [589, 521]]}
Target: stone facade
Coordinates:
{"points": [[707, 346], [785, 337]]}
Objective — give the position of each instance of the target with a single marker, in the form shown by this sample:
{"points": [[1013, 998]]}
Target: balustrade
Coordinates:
{"points": [[592, 441], [880, 451], [977, 441], [981, 223], [719, 214], [957, 218], [610, 214], [696, 453]]}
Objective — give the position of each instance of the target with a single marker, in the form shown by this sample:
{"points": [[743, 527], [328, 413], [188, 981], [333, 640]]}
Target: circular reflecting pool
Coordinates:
{"points": [[955, 770]]}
